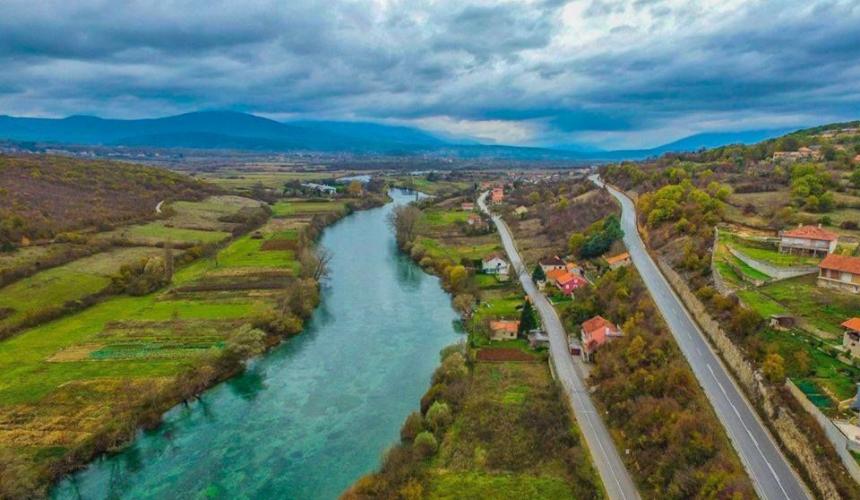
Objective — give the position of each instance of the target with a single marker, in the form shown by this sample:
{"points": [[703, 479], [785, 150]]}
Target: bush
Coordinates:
{"points": [[439, 417], [425, 445], [413, 426]]}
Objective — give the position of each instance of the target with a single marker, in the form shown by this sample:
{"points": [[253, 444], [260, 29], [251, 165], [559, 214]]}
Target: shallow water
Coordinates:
{"points": [[314, 414]]}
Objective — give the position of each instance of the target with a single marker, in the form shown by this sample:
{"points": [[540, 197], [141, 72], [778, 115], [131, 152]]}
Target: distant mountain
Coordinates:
{"points": [[242, 131]]}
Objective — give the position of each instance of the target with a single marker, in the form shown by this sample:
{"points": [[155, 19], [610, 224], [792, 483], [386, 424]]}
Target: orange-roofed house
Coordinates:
{"points": [[840, 271], [596, 332], [497, 196], [808, 240], [567, 282], [504, 329], [851, 337], [616, 261]]}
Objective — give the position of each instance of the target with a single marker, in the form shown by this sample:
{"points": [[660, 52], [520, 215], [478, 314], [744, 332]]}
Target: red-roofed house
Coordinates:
{"points": [[497, 196], [851, 337], [567, 282], [840, 271], [504, 329], [619, 260], [596, 332], [808, 240]]}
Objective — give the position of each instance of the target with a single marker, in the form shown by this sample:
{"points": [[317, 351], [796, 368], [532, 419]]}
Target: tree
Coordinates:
{"points": [[538, 274], [802, 360], [245, 342], [439, 416], [774, 368], [464, 303], [457, 276], [528, 318], [405, 219], [413, 425], [425, 445], [575, 243], [355, 188], [168, 261], [315, 262]]}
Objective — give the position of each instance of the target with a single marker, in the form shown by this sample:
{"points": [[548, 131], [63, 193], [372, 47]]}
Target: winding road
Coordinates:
{"points": [[616, 479], [768, 468]]}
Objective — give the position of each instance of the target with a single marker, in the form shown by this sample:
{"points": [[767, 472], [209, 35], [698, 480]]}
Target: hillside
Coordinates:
{"points": [[41, 196]]}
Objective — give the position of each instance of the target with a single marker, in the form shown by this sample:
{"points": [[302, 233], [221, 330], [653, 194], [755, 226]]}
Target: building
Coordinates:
{"points": [[495, 264], [840, 271], [497, 196], [851, 337], [803, 153], [596, 332], [573, 268], [538, 338], [475, 220], [567, 282], [504, 329], [320, 188], [808, 240], [467, 206], [548, 264], [620, 260]]}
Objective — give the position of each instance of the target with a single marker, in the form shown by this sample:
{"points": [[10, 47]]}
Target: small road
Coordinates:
{"points": [[768, 468], [616, 479]]}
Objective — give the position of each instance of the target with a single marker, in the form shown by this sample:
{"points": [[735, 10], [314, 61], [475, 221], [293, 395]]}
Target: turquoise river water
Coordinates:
{"points": [[314, 414]]}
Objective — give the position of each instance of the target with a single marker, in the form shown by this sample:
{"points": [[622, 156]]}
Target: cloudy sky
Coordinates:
{"points": [[601, 73]]}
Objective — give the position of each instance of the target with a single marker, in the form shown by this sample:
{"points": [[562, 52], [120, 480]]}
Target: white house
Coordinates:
{"points": [[494, 264]]}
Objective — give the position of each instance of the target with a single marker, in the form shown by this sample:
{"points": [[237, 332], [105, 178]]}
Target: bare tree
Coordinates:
{"points": [[315, 262], [404, 219]]}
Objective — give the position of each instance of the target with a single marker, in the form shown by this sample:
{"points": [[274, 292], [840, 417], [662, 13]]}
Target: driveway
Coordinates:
{"points": [[616, 479]]}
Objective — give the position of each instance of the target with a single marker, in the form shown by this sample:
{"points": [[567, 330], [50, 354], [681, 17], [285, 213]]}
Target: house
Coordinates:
{"points": [[596, 332], [567, 282], [467, 206], [803, 153], [851, 337], [620, 260], [521, 211], [320, 188], [538, 338], [808, 240], [840, 271], [495, 264], [497, 196], [548, 264], [574, 269], [504, 329]]}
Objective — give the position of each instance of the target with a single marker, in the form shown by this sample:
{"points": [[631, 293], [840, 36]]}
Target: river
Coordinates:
{"points": [[311, 416]]}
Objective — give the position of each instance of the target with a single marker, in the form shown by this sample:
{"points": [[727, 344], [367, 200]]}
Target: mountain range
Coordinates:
{"points": [[241, 131]]}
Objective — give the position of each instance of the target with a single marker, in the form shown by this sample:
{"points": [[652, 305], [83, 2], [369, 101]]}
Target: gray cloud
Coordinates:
{"points": [[616, 73]]}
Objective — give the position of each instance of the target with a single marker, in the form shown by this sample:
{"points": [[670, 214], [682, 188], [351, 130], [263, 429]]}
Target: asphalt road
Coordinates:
{"points": [[616, 479], [771, 473]]}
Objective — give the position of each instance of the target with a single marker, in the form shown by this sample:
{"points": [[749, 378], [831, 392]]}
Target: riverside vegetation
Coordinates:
{"points": [[750, 194], [493, 423], [109, 326], [654, 406]]}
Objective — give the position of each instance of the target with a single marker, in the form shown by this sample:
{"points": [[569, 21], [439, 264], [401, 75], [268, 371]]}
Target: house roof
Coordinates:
{"points": [[552, 261], [811, 233], [852, 324], [842, 263], [567, 277], [596, 323], [505, 325], [618, 258], [555, 274]]}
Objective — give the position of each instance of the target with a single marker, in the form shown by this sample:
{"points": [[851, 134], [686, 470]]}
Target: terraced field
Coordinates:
{"points": [[84, 382]]}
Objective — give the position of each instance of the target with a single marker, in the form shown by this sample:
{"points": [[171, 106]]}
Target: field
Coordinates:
{"points": [[52, 288], [83, 382], [512, 439], [245, 179], [309, 207]]}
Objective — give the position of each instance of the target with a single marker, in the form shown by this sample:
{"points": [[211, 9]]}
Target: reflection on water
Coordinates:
{"points": [[317, 412]]}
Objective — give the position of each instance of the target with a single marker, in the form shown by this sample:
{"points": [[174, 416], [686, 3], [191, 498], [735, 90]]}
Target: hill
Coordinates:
{"points": [[41, 196]]}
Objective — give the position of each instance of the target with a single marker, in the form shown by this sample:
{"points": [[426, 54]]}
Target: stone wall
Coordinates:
{"points": [[776, 272], [784, 424]]}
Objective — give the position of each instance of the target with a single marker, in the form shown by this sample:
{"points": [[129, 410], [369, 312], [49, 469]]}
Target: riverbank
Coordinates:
{"points": [[83, 384], [308, 418], [492, 422]]}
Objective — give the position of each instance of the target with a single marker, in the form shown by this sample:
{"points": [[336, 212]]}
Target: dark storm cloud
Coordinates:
{"points": [[599, 70]]}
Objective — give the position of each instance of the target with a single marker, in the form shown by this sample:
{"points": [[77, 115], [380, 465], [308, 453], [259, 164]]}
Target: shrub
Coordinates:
{"points": [[439, 416], [413, 426], [425, 445]]}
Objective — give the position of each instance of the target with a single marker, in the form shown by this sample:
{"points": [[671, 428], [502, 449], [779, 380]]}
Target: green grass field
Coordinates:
{"points": [[158, 232], [438, 250], [480, 485], [50, 289], [445, 217], [748, 270], [299, 207], [245, 179], [824, 308]]}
